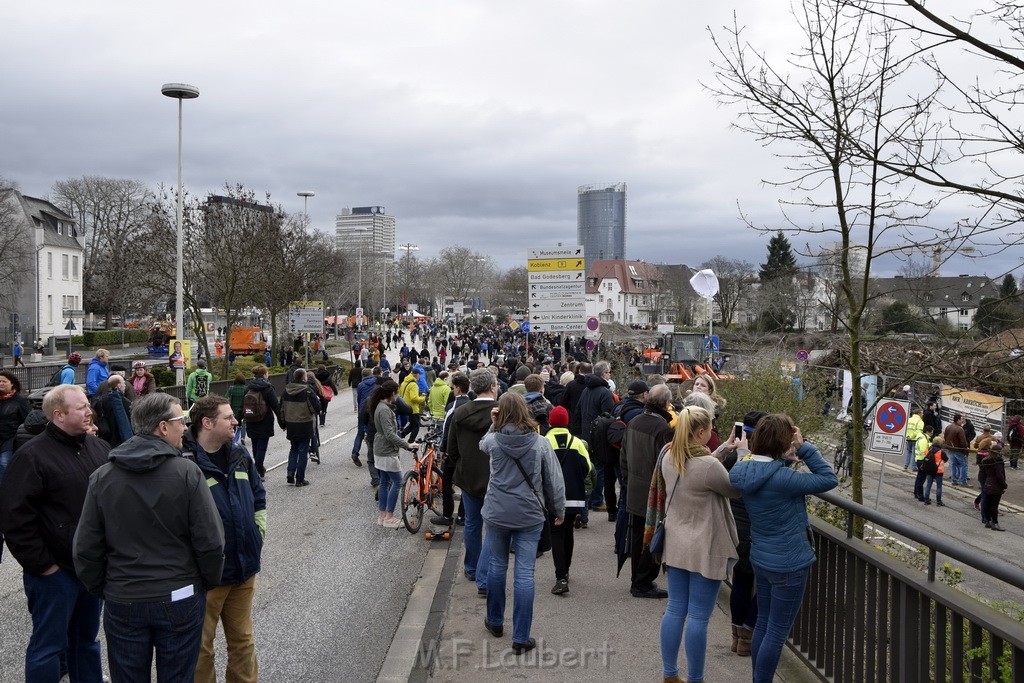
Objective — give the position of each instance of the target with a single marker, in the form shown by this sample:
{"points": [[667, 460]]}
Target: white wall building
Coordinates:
{"points": [[365, 228], [50, 287], [621, 291]]}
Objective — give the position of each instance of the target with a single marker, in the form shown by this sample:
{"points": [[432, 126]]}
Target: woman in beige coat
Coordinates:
{"points": [[700, 541]]}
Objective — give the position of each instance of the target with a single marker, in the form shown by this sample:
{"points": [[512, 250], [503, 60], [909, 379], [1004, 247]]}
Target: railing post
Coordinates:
{"points": [[931, 564]]}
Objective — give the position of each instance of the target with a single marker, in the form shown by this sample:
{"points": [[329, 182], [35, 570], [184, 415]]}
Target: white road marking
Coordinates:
{"points": [[285, 462]]}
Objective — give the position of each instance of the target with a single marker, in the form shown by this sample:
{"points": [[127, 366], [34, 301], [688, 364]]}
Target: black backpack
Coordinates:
{"points": [[928, 465], [254, 406], [55, 377]]}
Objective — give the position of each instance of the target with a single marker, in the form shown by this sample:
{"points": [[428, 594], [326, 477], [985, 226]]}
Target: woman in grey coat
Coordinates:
{"points": [[525, 486], [386, 446]]}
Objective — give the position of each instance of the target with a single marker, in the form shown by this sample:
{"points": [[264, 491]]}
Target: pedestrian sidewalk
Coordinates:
{"points": [[598, 632]]}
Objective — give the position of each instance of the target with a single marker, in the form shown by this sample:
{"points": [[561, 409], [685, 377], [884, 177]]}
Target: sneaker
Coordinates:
{"points": [[996, 527], [481, 592], [441, 520], [460, 521], [927, 501], [520, 648], [301, 482], [654, 593], [583, 524], [355, 459], [600, 508], [315, 457], [578, 523], [561, 587], [377, 519], [291, 479], [988, 525], [940, 503], [393, 523], [612, 517]]}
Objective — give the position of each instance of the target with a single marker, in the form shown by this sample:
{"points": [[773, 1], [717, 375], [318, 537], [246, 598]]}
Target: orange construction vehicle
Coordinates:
{"points": [[247, 341]]}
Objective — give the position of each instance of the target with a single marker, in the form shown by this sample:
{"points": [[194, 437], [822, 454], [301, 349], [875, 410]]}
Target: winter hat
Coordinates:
{"points": [[200, 363], [545, 375], [558, 417], [522, 372]]}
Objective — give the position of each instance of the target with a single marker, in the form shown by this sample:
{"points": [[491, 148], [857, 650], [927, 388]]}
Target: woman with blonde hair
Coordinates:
{"points": [[700, 540], [525, 486]]}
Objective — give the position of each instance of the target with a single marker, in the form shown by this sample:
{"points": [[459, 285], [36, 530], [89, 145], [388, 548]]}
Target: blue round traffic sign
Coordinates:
{"points": [[891, 417]]}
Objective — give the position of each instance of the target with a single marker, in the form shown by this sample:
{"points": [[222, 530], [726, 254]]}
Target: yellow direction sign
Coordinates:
{"points": [[543, 265]]}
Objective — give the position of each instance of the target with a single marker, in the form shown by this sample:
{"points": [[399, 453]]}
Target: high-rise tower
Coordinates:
{"points": [[367, 228], [601, 221]]}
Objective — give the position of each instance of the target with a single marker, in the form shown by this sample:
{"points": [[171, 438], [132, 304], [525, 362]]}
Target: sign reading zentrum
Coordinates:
{"points": [[557, 284]]}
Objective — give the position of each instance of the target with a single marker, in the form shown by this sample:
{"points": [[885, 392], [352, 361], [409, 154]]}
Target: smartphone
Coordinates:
{"points": [[737, 430]]}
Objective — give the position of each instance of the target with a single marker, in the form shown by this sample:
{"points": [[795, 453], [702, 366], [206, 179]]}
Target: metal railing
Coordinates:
{"points": [[870, 617]]}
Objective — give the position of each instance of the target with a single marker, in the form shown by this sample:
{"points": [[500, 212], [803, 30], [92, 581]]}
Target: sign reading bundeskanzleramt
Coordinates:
{"points": [[557, 289]]}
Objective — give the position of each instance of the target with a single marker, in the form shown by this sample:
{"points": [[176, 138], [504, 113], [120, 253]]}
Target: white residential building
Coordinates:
{"points": [[626, 292], [49, 291]]}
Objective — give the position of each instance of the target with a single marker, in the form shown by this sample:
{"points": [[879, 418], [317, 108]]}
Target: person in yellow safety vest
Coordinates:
{"points": [[915, 427], [924, 440]]}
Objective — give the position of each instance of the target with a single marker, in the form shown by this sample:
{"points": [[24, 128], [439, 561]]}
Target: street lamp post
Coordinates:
{"points": [[180, 91], [409, 248], [306, 194]]}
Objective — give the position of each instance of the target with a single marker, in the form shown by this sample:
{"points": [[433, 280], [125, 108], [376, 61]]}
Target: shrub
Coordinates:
{"points": [[767, 387], [97, 338]]}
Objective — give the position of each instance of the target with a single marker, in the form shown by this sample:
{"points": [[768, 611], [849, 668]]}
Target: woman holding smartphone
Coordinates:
{"points": [[781, 551]]}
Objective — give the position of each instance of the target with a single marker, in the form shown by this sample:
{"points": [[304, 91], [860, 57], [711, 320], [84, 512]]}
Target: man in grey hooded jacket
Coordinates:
{"points": [[150, 542]]}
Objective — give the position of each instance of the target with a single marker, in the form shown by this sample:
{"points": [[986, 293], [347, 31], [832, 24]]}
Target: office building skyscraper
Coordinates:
{"points": [[601, 221], [367, 228]]}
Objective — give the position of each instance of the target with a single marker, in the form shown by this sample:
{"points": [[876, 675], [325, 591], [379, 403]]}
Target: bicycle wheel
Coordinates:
{"points": [[412, 502], [434, 493]]}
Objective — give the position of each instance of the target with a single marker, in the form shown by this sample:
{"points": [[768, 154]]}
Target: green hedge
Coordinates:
{"points": [[113, 337]]}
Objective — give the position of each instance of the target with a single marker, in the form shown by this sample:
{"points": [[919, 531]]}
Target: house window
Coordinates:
{"points": [[65, 265], [74, 268], [60, 228], [49, 307], [608, 286], [964, 327], [964, 312], [965, 297], [49, 264], [943, 311]]}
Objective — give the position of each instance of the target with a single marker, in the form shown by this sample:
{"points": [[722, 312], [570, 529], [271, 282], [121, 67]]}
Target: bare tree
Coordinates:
{"points": [[15, 247], [510, 290], [112, 214], [463, 272], [829, 112], [735, 278]]}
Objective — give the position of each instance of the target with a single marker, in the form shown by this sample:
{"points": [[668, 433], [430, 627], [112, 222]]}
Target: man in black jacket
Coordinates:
{"points": [[458, 397], [595, 400], [151, 543], [469, 423], [571, 396], [40, 504], [645, 436], [261, 430]]}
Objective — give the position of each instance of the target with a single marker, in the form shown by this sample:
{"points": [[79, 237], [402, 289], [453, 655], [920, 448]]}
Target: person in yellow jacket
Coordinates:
{"points": [[410, 393], [915, 428], [437, 397], [921, 444]]}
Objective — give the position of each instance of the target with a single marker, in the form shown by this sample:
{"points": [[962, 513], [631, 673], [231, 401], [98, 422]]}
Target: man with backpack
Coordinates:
{"points": [[66, 375], [580, 476], [260, 410], [197, 385], [606, 441], [595, 400]]}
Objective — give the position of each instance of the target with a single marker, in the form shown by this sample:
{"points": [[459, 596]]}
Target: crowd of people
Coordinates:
{"points": [[533, 436]]}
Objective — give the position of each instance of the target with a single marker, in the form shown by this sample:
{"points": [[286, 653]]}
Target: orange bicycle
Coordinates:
{"points": [[421, 486]]}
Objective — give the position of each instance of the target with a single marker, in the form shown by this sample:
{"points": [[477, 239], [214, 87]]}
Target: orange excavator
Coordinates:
{"points": [[679, 358]]}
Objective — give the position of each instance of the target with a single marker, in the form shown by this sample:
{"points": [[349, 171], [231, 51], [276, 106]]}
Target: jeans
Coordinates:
{"points": [[259, 452], [297, 459], [239, 433], [937, 478], [562, 543], [360, 435], [478, 555], [597, 495], [779, 595], [742, 600], [65, 618], [390, 487], [5, 458], [691, 598], [501, 541], [232, 606], [910, 457], [958, 459], [173, 629]]}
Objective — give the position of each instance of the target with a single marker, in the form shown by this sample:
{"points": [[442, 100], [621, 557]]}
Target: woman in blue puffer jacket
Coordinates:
{"points": [[781, 551]]}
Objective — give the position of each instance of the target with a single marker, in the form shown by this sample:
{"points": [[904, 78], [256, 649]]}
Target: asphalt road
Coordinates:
{"points": [[333, 586]]}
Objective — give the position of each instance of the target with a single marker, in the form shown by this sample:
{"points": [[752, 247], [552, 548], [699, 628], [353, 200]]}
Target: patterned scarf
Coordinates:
{"points": [[658, 494]]}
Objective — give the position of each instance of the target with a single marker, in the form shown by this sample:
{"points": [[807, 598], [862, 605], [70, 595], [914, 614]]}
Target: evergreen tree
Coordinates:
{"points": [[781, 261], [1009, 287]]}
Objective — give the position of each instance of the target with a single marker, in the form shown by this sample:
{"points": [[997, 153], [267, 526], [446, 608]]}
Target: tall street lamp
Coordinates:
{"points": [[409, 248], [306, 194], [180, 91]]}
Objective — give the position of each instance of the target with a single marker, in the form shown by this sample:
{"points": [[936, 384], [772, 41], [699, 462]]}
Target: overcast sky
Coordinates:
{"points": [[471, 121]]}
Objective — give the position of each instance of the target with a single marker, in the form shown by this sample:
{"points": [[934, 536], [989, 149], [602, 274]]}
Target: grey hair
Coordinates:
{"points": [[659, 395], [602, 367], [482, 380], [701, 400], [150, 410]]}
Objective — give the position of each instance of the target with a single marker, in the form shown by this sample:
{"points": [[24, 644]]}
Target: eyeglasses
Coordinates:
{"points": [[175, 419]]}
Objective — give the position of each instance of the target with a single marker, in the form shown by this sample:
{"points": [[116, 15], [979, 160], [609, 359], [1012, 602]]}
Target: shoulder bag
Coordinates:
{"points": [[657, 544]]}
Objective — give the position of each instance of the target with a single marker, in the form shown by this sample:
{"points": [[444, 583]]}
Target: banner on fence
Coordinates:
{"points": [[982, 409]]}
